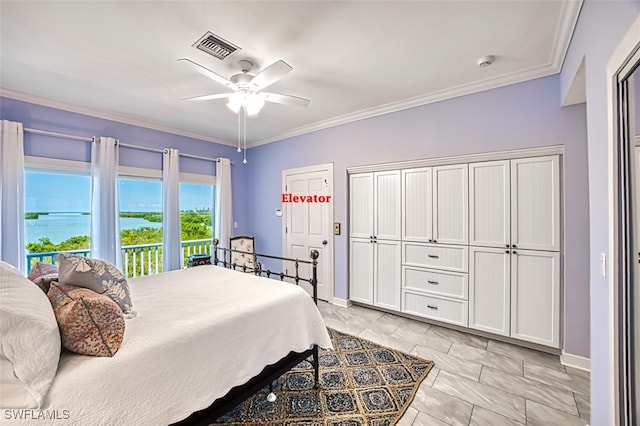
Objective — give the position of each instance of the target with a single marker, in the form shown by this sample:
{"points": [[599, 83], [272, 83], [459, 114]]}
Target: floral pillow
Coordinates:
{"points": [[89, 323], [97, 275], [42, 274]]}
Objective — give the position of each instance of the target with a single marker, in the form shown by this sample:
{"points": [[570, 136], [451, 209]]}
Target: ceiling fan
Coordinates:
{"points": [[247, 88]]}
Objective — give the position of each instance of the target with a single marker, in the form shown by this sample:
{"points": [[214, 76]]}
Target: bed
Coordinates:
{"points": [[188, 350]]}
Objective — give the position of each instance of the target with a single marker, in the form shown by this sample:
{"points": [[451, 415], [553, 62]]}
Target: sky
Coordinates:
{"points": [[56, 192]]}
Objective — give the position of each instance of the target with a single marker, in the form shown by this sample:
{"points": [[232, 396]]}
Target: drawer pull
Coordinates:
{"points": [[433, 282], [432, 307], [433, 256]]}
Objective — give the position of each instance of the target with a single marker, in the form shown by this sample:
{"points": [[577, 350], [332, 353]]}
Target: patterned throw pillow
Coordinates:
{"points": [[42, 274], [90, 323], [97, 275]]}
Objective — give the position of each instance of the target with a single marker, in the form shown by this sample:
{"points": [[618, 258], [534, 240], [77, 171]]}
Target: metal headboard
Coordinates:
{"points": [[314, 255]]}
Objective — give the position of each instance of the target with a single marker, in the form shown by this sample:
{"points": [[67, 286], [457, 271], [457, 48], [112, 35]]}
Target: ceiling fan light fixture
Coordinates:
{"points": [[254, 103], [236, 101]]}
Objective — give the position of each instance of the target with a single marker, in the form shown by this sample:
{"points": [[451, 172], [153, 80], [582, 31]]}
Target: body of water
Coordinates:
{"points": [[59, 227]]}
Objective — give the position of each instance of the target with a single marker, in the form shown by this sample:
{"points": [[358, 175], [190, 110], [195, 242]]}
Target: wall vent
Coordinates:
{"points": [[215, 45]]}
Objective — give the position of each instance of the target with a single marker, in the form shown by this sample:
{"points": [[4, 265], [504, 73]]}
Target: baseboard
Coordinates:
{"points": [[343, 303], [576, 361]]}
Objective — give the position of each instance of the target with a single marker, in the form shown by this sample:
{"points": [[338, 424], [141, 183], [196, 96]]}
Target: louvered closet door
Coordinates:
{"points": [[361, 205], [387, 208], [417, 205], [451, 204], [535, 203], [489, 204]]}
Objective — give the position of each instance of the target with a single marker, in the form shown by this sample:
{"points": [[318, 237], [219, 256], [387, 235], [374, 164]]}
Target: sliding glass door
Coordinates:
{"points": [[628, 240]]}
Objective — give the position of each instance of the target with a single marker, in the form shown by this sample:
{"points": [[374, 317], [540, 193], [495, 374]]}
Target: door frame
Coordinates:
{"points": [[330, 249], [620, 277]]}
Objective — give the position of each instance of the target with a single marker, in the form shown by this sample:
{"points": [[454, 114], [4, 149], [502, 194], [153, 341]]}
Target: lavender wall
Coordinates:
{"points": [[600, 28], [519, 116], [57, 120]]}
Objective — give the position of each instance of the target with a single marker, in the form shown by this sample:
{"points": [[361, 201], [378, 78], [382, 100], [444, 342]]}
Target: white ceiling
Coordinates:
{"points": [[353, 59]]}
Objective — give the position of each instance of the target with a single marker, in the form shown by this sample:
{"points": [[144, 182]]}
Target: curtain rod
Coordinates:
{"points": [[126, 145], [60, 135], [182, 154]]}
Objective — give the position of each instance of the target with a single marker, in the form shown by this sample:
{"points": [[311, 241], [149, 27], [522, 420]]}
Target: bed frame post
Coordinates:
{"points": [[314, 274], [215, 251]]}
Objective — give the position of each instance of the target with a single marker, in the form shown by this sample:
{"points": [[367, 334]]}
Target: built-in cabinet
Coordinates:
{"points": [[440, 194], [514, 242], [475, 244], [375, 238]]}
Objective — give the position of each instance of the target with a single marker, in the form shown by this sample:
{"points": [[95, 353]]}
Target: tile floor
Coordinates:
{"points": [[475, 380]]}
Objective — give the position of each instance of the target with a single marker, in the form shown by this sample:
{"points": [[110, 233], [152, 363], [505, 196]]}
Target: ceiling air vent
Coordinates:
{"points": [[215, 45]]}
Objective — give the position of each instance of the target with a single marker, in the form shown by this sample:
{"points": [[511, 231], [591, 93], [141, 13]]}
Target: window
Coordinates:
{"points": [[140, 225], [196, 212], [57, 213], [58, 217]]}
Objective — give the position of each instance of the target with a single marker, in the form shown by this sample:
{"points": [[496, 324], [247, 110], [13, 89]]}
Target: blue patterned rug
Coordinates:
{"points": [[361, 383]]}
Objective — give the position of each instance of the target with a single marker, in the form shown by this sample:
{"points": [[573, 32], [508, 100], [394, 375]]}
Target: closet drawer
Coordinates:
{"points": [[440, 283], [437, 308], [452, 258]]}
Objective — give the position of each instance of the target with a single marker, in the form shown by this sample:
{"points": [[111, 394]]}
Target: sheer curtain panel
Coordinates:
{"points": [[12, 229], [171, 258], [105, 210], [223, 215]]}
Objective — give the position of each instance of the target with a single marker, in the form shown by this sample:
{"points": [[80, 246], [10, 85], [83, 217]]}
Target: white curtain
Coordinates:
{"points": [[12, 229], [171, 248], [105, 210], [223, 214]]}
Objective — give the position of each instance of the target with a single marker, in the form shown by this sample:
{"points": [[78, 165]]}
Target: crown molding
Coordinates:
{"points": [[462, 90], [562, 38], [106, 115]]}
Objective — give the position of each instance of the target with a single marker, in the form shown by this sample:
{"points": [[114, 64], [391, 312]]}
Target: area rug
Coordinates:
{"points": [[361, 383]]}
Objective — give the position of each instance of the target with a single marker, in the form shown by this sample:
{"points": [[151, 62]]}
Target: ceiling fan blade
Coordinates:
{"points": [[208, 73], [285, 99], [209, 97], [271, 74]]}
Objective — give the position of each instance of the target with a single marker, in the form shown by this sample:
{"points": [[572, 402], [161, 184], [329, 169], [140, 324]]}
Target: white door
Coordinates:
{"points": [[535, 296], [451, 204], [535, 203], [308, 222], [361, 205], [387, 274], [489, 204], [490, 290], [417, 205], [361, 270], [386, 202]]}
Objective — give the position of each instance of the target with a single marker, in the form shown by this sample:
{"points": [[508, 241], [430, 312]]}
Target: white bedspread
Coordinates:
{"points": [[198, 333]]}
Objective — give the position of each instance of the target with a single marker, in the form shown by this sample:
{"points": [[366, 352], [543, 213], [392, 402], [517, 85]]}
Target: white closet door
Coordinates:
{"points": [[535, 296], [489, 290], [361, 270], [417, 205], [386, 202], [489, 204], [361, 205], [535, 203], [451, 204], [387, 274]]}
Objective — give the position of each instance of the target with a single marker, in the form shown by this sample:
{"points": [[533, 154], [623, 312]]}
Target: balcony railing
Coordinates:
{"points": [[142, 259]]}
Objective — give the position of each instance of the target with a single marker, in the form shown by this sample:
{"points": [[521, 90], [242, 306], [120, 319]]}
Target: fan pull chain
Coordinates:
{"points": [[244, 113], [239, 149]]}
